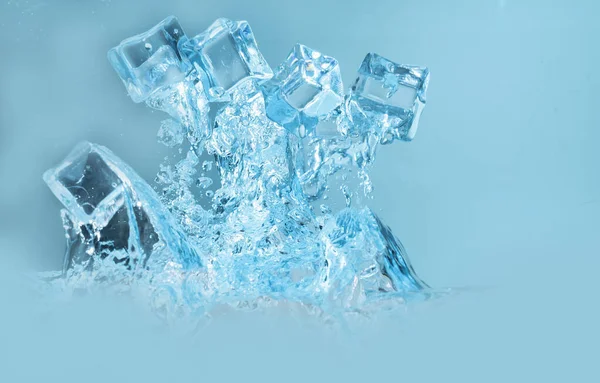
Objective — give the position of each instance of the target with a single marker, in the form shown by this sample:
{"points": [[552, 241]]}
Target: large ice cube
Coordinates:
{"points": [[118, 209], [150, 61], [306, 91], [389, 97], [225, 55]]}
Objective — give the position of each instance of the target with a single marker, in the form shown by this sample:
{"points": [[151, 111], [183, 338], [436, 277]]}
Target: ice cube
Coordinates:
{"points": [[150, 61], [225, 55], [388, 97], [87, 185], [117, 209], [306, 91]]}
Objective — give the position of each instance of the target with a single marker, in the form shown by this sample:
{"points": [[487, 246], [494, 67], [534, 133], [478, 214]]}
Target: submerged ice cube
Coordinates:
{"points": [[390, 96], [225, 55], [111, 209], [150, 61], [307, 90]]}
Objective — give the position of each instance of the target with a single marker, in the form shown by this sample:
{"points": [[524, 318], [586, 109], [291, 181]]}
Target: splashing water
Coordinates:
{"points": [[258, 227]]}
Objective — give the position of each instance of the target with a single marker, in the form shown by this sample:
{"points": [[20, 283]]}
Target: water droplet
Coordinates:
{"points": [[216, 92], [207, 166], [204, 182], [302, 131], [210, 193]]}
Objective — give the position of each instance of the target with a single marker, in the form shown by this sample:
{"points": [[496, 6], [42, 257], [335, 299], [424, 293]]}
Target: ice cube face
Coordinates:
{"points": [[307, 90], [225, 56], [389, 95], [150, 61], [87, 185]]}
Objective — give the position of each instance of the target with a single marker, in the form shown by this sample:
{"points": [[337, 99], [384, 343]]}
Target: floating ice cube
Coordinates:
{"points": [[87, 185], [111, 208], [224, 56], [389, 97], [307, 90], [150, 61]]}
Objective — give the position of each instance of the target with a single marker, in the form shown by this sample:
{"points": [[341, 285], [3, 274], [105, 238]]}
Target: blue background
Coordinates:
{"points": [[497, 196]]}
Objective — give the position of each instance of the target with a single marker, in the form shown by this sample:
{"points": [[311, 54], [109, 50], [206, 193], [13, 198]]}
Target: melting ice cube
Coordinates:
{"points": [[390, 96], [307, 90], [150, 61], [225, 55], [111, 209]]}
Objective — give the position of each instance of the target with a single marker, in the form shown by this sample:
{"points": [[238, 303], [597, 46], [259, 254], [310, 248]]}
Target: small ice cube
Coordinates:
{"points": [[306, 91], [388, 97]]}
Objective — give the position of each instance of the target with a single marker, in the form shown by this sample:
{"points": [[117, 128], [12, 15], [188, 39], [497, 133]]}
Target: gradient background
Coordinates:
{"points": [[498, 194]]}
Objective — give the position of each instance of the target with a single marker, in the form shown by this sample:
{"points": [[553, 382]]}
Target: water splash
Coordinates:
{"points": [[258, 228]]}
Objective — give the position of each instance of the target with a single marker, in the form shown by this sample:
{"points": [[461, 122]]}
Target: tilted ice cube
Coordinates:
{"points": [[117, 209], [307, 90], [87, 185], [224, 56], [388, 97], [150, 61]]}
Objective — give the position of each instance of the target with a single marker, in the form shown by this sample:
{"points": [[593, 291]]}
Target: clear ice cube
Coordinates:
{"points": [[121, 212], [306, 91], [87, 185], [225, 55], [389, 97], [150, 61]]}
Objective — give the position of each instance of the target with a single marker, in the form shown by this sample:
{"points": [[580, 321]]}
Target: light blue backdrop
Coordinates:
{"points": [[498, 194]]}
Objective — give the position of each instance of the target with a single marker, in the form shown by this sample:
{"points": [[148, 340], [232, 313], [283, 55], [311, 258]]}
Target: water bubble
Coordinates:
{"points": [[148, 46]]}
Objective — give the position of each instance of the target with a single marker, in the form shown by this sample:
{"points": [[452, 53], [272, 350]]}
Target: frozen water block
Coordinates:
{"points": [[306, 91], [106, 197], [225, 55], [150, 61], [388, 96], [88, 185]]}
